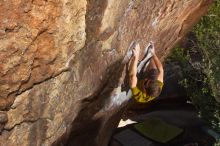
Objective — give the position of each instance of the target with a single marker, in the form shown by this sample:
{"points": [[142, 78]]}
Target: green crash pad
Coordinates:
{"points": [[158, 130]]}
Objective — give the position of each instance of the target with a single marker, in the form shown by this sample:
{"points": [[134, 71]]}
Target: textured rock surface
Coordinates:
{"points": [[61, 60]]}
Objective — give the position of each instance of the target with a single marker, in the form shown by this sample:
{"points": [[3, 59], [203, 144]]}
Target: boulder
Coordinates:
{"points": [[62, 63]]}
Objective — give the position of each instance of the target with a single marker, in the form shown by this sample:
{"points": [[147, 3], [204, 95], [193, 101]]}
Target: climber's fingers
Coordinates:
{"points": [[135, 53], [136, 50], [152, 48]]}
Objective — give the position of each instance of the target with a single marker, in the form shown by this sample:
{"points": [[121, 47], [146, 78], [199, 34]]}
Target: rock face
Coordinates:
{"points": [[61, 63]]}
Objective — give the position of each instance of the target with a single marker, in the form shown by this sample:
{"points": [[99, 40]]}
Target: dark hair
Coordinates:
{"points": [[153, 88]]}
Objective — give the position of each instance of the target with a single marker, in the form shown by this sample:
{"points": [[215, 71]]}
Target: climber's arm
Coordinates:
{"points": [[159, 67], [133, 72], [133, 67]]}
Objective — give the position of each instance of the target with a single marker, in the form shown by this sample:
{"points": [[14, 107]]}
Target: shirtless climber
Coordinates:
{"points": [[146, 89]]}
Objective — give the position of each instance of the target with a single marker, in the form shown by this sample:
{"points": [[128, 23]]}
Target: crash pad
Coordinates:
{"points": [[158, 130]]}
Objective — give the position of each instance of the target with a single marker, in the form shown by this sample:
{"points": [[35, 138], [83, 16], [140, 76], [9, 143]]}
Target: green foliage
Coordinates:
{"points": [[179, 55], [207, 34], [197, 86], [217, 143], [200, 63], [208, 41]]}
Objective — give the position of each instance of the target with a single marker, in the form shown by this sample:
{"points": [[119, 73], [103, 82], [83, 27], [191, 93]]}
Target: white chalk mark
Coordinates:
{"points": [[130, 7], [155, 22], [69, 60]]}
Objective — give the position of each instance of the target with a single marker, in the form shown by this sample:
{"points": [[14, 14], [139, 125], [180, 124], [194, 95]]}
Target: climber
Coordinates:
{"points": [[150, 86]]}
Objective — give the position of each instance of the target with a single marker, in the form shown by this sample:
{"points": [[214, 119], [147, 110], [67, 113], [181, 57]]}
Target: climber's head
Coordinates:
{"points": [[152, 87]]}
